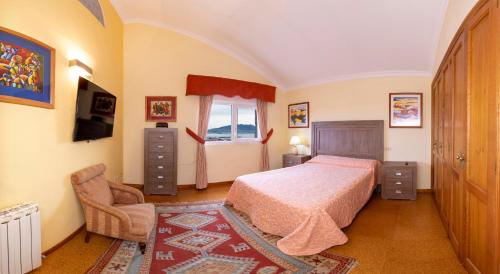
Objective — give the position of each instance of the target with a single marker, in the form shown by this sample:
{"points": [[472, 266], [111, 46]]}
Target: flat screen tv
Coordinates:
{"points": [[95, 112]]}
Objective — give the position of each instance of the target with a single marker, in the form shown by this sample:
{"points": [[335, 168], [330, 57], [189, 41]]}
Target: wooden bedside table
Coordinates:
{"points": [[399, 180], [295, 159]]}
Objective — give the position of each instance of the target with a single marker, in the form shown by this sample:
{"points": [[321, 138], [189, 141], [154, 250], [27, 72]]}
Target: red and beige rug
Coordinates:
{"points": [[211, 238]]}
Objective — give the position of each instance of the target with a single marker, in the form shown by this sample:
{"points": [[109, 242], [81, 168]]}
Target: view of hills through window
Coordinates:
{"points": [[220, 123]]}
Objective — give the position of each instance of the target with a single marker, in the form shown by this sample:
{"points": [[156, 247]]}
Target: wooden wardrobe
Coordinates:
{"points": [[465, 145]]}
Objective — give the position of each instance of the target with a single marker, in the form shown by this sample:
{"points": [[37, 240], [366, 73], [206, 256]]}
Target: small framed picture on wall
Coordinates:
{"points": [[405, 110], [298, 115], [161, 108]]}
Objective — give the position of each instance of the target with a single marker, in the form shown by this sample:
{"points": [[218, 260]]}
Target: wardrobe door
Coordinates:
{"points": [[458, 143], [447, 106], [480, 176], [435, 115], [439, 144]]}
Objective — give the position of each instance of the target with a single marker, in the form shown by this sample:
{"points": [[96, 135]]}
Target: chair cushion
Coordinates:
{"points": [[142, 217], [98, 190]]}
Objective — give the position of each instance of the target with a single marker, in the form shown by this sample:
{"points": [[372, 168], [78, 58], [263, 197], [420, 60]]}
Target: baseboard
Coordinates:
{"points": [[425, 190], [64, 241], [190, 186]]}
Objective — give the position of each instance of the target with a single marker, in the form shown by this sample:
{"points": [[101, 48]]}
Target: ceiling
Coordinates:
{"points": [[298, 43]]}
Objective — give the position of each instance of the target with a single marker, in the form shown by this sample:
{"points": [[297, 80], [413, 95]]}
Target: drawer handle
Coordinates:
{"points": [[161, 136], [160, 186], [398, 191], [160, 156], [398, 174], [399, 183], [160, 177], [160, 167], [160, 146]]}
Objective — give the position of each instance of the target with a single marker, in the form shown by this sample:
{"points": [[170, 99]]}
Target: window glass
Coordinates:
{"points": [[219, 124], [247, 123]]}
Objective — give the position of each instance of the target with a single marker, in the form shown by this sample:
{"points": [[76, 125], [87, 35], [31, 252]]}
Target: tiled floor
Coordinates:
{"points": [[386, 237]]}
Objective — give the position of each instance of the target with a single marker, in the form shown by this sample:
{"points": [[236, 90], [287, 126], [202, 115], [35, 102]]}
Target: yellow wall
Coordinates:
{"points": [[368, 99], [455, 15], [37, 154], [156, 62]]}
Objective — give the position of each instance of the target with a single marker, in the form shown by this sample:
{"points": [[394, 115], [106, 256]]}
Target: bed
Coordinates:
{"points": [[309, 204]]}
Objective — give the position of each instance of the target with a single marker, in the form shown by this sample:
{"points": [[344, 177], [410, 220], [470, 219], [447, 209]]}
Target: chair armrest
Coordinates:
{"points": [[89, 204], [126, 194]]}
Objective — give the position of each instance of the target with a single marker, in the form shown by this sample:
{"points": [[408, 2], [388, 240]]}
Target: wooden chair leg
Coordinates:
{"points": [[142, 247], [87, 236]]}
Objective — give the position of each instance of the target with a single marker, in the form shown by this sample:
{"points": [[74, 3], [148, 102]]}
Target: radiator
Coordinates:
{"points": [[20, 239]]}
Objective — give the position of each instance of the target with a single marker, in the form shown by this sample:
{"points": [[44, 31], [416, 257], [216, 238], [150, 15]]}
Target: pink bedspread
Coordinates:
{"points": [[306, 204]]}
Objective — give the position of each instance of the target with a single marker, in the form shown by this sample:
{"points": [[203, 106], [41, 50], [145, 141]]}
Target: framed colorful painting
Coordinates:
{"points": [[161, 108], [26, 70], [103, 104], [405, 110], [298, 115]]}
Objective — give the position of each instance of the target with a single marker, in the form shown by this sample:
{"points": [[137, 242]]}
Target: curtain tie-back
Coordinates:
{"points": [[268, 136], [195, 136]]}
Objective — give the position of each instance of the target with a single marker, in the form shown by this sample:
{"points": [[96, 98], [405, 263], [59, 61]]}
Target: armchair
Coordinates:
{"points": [[112, 209]]}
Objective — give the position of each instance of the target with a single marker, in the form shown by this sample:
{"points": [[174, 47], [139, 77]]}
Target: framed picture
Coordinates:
{"points": [[103, 104], [405, 110], [26, 70], [161, 108], [298, 115]]}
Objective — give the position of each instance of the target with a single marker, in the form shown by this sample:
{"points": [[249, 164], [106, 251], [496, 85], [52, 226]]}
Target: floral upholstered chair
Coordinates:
{"points": [[111, 209]]}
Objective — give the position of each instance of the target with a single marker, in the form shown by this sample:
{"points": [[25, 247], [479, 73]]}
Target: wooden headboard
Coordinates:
{"points": [[355, 139]]}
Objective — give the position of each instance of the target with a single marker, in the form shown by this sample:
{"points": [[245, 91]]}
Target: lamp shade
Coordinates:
{"points": [[295, 140]]}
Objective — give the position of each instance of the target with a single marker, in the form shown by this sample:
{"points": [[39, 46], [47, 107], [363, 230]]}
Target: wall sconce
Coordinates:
{"points": [[80, 68]]}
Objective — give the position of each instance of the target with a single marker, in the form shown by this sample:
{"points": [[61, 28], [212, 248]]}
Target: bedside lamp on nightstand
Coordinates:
{"points": [[295, 141]]}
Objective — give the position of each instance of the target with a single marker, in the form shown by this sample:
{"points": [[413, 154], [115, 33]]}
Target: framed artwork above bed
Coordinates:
{"points": [[405, 110]]}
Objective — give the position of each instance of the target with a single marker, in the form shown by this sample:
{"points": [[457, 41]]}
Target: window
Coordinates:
{"points": [[232, 120], [220, 125]]}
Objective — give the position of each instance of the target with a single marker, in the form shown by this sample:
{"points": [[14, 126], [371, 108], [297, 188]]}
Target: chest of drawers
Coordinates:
{"points": [[160, 161], [399, 180], [295, 159]]}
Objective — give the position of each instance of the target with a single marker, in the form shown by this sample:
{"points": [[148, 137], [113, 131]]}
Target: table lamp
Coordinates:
{"points": [[295, 141]]}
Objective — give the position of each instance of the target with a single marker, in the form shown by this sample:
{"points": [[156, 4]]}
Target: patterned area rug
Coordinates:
{"points": [[211, 238]]}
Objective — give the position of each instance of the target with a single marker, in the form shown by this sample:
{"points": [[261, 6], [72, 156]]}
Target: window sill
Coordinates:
{"points": [[239, 142]]}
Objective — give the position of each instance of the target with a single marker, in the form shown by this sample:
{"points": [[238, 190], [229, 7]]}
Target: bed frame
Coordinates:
{"points": [[355, 139]]}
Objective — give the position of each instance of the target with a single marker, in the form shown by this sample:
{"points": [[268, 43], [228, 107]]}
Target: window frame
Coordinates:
{"points": [[235, 104]]}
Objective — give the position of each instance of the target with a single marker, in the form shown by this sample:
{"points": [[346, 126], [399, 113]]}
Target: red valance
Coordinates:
{"points": [[210, 85]]}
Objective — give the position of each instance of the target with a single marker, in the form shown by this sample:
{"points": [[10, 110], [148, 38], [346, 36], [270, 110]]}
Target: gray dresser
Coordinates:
{"points": [[160, 161]]}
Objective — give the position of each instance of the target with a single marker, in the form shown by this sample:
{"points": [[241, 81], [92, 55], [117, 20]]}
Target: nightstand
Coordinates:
{"points": [[399, 180], [295, 159]]}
